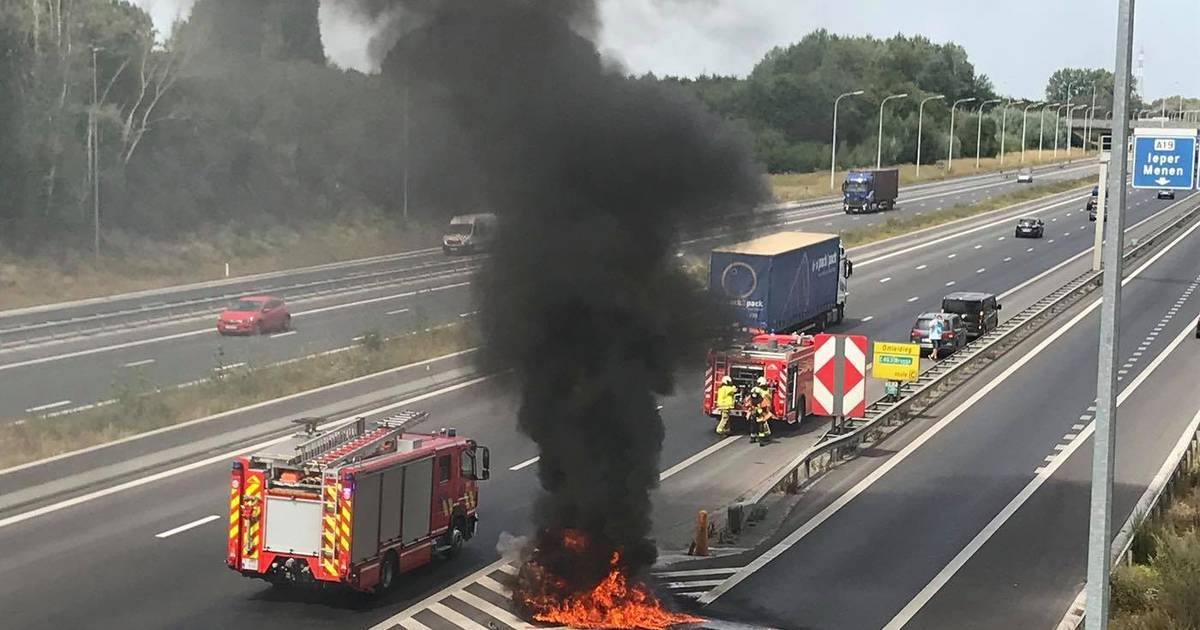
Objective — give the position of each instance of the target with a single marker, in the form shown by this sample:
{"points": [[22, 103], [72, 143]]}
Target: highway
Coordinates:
{"points": [[976, 516], [59, 359], [123, 574]]}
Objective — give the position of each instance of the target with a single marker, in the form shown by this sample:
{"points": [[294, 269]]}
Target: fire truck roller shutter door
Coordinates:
{"points": [[293, 526], [418, 499], [364, 528], [391, 505]]}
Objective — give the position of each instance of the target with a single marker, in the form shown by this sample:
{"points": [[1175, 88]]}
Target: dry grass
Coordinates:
{"points": [[909, 223], [139, 409], [137, 264], [1161, 589], [802, 186]]}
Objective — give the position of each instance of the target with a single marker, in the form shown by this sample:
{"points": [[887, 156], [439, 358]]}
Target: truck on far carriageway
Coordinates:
{"points": [[870, 190], [355, 505]]}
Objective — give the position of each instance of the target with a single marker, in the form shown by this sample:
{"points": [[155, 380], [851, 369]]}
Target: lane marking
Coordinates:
{"points": [[951, 255], [53, 405], [205, 331], [183, 528], [917, 603], [525, 464], [672, 471], [283, 334], [951, 283], [883, 280], [914, 298], [233, 366], [867, 318], [397, 311], [921, 267], [979, 247], [1008, 259], [981, 270], [862, 486], [134, 364]]}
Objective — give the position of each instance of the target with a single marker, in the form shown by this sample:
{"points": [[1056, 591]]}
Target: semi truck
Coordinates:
{"points": [[354, 505], [783, 282], [870, 190]]}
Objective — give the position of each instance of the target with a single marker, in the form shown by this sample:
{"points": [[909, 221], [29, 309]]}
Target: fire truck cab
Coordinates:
{"points": [[785, 360], [354, 505]]}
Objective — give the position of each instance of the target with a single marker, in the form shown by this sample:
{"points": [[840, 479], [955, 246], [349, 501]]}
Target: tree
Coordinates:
{"points": [[1081, 81]]}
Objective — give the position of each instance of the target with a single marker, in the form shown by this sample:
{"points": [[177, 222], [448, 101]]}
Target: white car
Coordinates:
{"points": [[1025, 177]]}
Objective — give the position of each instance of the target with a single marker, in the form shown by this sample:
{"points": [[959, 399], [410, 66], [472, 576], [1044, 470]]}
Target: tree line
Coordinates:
{"points": [[237, 119]]}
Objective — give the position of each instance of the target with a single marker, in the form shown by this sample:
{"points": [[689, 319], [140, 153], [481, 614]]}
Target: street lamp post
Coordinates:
{"points": [[950, 160], [979, 131], [1004, 125], [1025, 127], [95, 155], [879, 148], [833, 149], [1070, 111], [920, 123], [1042, 127], [1057, 118]]}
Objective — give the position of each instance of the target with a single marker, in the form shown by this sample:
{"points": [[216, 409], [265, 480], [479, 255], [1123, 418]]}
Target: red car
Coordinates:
{"points": [[254, 314]]}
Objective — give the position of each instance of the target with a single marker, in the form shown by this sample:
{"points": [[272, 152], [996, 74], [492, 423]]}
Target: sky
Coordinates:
{"points": [[1017, 43]]}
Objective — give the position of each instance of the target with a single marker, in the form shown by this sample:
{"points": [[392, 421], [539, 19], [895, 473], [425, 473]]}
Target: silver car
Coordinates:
{"points": [[1025, 176]]}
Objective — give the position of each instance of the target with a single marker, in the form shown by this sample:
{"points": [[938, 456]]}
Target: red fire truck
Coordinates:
{"points": [[785, 360], [354, 505]]}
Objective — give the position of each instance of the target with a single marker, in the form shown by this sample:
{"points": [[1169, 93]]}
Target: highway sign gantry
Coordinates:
{"points": [[1164, 158], [896, 361]]}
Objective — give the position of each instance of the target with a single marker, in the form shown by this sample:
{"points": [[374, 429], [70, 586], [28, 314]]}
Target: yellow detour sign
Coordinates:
{"points": [[896, 361]]}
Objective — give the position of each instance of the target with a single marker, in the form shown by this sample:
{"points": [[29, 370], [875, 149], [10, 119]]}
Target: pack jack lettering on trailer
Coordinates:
{"points": [[356, 505]]}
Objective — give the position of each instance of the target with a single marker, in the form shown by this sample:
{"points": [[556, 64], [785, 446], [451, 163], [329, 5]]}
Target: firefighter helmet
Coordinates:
{"points": [[726, 381], [762, 381]]}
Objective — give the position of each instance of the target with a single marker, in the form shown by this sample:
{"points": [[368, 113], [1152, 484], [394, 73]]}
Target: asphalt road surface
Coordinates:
{"points": [[918, 535], [57, 360], [121, 559]]}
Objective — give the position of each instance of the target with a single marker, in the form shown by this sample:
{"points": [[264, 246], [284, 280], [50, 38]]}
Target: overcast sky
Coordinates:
{"points": [[1017, 43]]}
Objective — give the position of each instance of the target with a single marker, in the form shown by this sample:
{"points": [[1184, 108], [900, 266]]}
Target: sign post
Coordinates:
{"points": [[1101, 199]]}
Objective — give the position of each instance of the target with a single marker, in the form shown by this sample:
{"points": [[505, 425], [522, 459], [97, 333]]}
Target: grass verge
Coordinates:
{"points": [[1160, 588], [135, 264], [138, 407], [895, 226], [805, 186]]}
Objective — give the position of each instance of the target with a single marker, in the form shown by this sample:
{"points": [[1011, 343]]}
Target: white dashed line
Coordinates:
{"points": [[920, 267], [914, 298], [950, 284], [883, 280], [979, 247], [867, 318], [134, 364], [184, 528], [283, 334], [1008, 259], [61, 403], [234, 366], [397, 311], [1001, 238], [525, 464], [1029, 250], [951, 255]]}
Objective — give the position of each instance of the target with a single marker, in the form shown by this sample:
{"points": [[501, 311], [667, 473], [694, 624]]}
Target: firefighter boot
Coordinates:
{"points": [[723, 425]]}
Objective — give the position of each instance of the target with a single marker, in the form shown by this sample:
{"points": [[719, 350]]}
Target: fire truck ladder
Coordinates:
{"points": [[352, 441]]}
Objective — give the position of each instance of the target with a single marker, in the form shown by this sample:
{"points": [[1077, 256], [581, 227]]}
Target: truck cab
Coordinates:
{"points": [[870, 190], [469, 233]]}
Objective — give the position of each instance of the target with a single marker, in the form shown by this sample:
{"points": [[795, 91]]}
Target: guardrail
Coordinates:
{"points": [[1153, 504], [883, 417]]}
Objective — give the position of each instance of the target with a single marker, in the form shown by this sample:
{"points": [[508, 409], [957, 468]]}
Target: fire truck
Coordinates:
{"points": [[785, 360], [354, 505]]}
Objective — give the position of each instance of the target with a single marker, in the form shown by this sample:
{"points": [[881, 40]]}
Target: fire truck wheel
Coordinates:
{"points": [[455, 537], [387, 573]]}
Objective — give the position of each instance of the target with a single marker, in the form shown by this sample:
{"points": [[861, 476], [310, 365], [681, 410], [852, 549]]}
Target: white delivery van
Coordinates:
{"points": [[469, 233]]}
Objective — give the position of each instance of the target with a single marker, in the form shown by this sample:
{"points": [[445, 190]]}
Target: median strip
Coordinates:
{"points": [[139, 407]]}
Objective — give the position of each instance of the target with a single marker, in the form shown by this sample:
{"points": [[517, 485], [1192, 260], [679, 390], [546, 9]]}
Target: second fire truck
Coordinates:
{"points": [[785, 360], [356, 505]]}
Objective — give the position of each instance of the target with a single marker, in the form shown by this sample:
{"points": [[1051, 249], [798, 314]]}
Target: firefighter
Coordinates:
{"points": [[726, 398], [760, 411]]}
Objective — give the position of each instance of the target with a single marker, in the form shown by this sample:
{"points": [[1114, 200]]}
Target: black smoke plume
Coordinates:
{"points": [[591, 174]]}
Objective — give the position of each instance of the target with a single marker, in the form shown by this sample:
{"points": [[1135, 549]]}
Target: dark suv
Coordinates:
{"points": [[980, 311]]}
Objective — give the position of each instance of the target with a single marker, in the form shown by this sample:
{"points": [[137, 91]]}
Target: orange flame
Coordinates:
{"points": [[613, 603]]}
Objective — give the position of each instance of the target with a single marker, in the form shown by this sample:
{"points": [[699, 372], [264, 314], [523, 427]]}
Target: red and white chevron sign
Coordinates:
{"points": [[839, 376]]}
